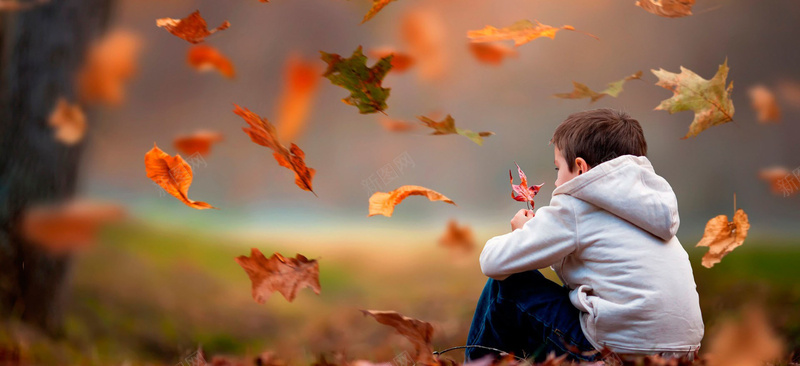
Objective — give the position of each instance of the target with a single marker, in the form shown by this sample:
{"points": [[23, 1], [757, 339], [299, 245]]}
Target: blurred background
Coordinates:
{"points": [[163, 281]]}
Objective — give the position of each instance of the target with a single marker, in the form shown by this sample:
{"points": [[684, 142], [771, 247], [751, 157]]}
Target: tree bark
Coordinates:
{"points": [[41, 49]]}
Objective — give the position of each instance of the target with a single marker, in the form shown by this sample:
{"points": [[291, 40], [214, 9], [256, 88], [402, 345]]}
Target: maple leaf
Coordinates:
{"points": [[69, 122], [206, 58], [277, 273], [110, 62], [456, 237], [400, 61], [299, 89], [491, 53], [448, 126], [68, 226], [197, 143], [377, 5], [521, 192], [173, 174], [709, 99], [667, 8], [364, 83], [381, 203], [765, 104], [582, 91], [522, 31], [263, 133], [721, 237], [193, 28], [418, 332]]}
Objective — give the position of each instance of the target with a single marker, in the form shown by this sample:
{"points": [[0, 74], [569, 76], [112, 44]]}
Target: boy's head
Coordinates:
{"points": [[586, 139]]}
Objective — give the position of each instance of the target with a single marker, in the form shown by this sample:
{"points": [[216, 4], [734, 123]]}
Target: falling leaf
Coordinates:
{"points": [[294, 104], [173, 174], [491, 53], [68, 226], [418, 332], [277, 273], [424, 33], [448, 126], [206, 58], [197, 143], [397, 125], [110, 62], [69, 122], [764, 103], [721, 237], [781, 180], [377, 5], [709, 99], [748, 341], [364, 83], [263, 133], [667, 8], [521, 32], [582, 91], [381, 203], [457, 237], [521, 192], [400, 61], [193, 28]]}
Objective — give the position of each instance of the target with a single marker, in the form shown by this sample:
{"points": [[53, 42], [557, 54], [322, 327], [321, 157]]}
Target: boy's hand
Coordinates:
{"points": [[521, 218]]}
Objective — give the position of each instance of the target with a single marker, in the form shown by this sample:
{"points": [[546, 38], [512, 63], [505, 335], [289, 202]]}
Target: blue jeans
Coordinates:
{"points": [[527, 315]]}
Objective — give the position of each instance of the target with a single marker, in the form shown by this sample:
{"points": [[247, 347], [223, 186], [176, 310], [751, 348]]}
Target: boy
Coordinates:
{"points": [[609, 234]]}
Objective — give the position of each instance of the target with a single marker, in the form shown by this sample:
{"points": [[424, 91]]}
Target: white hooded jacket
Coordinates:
{"points": [[609, 234]]}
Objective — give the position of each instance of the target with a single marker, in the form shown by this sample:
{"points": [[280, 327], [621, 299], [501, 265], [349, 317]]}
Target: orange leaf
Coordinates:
{"points": [[397, 125], [383, 203], [667, 8], [764, 103], [781, 180], [16, 5], [173, 174], [425, 36], [68, 226], [206, 58], [197, 143], [69, 121], [377, 5], [263, 133], [299, 89], [491, 53], [521, 32], [109, 64], [458, 238], [285, 275], [193, 28], [721, 236], [418, 332], [400, 62], [750, 340]]}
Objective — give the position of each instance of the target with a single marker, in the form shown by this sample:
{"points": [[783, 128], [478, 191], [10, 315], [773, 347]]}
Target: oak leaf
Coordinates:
{"points": [[522, 192], [206, 58], [765, 104], [377, 5], [197, 143], [709, 99], [69, 122], [263, 133], [68, 226], [278, 273], [193, 28], [448, 126], [382, 203], [457, 237], [418, 332], [299, 88], [491, 53], [582, 91], [522, 31], [173, 174], [364, 83], [110, 63], [721, 237], [667, 8]]}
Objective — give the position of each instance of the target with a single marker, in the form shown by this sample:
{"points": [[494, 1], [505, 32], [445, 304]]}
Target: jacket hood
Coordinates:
{"points": [[628, 186]]}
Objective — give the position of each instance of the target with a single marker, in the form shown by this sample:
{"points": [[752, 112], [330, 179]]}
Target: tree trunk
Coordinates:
{"points": [[41, 49]]}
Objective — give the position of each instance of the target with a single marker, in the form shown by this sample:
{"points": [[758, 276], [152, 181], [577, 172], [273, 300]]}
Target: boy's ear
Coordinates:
{"points": [[581, 165]]}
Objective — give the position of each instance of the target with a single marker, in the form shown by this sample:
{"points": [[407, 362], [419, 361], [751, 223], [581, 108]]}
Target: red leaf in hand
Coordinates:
{"points": [[521, 192]]}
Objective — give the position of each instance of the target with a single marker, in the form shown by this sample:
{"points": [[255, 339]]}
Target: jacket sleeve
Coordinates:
{"points": [[542, 241]]}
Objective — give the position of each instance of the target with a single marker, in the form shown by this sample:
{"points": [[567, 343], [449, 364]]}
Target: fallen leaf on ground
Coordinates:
{"points": [[748, 341], [263, 133], [173, 174], [763, 101], [206, 58], [197, 143], [109, 64], [193, 28], [721, 237], [68, 226], [491, 53], [709, 99], [364, 83], [68, 121], [522, 31], [522, 192], [448, 126], [277, 273], [582, 91], [294, 104], [418, 332], [381, 203]]}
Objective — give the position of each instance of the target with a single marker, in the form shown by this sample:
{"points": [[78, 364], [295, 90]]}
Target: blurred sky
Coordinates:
{"points": [[514, 100]]}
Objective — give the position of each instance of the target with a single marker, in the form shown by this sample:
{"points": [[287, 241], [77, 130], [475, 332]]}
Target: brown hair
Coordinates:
{"points": [[599, 135]]}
